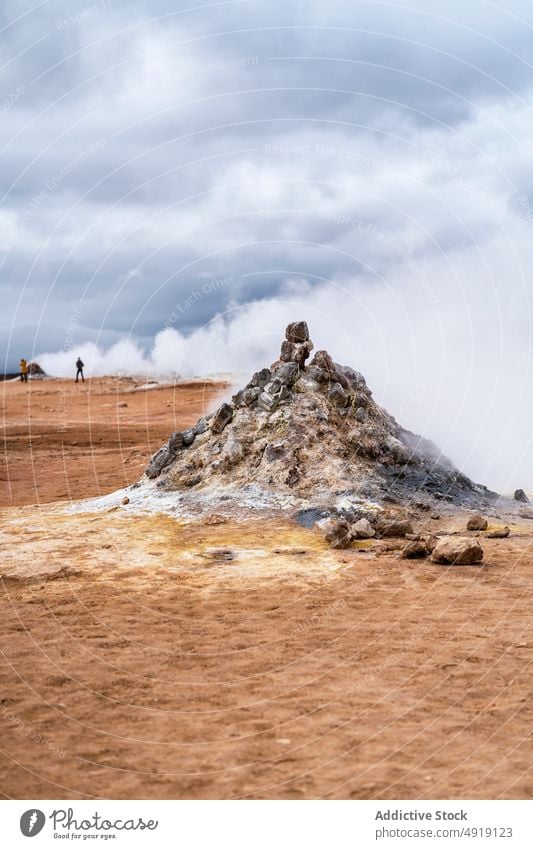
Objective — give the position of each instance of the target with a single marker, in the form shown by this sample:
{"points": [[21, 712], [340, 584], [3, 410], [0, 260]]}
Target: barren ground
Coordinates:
{"points": [[140, 661]]}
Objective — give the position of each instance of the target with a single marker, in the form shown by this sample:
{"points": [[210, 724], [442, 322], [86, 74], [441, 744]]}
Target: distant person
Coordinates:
{"points": [[79, 372], [23, 371]]}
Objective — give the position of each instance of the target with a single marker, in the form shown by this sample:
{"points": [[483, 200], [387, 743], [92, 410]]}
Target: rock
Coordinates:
{"points": [[287, 373], [125, 500], [175, 441], [363, 529], [250, 396], [361, 414], [188, 437], [499, 533], [267, 402], [297, 331], [273, 387], [520, 495], [287, 352], [215, 519], [337, 395], [431, 542], [123, 404], [222, 418], [260, 378], [283, 394], [323, 361], [158, 462], [526, 513], [414, 549], [275, 451], [200, 427], [336, 531], [412, 536], [394, 528], [457, 551], [477, 523]]}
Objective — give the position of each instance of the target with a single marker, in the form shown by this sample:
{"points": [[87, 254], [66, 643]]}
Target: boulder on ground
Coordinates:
{"points": [[520, 495], [222, 418], [336, 531], [526, 513], [457, 551], [414, 549], [394, 527], [499, 533], [363, 529], [477, 523]]}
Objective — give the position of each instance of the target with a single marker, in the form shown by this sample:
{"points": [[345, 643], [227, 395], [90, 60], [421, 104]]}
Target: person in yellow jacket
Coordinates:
{"points": [[23, 371]]}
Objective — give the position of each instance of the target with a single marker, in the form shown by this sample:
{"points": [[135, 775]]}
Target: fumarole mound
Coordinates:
{"points": [[310, 429]]}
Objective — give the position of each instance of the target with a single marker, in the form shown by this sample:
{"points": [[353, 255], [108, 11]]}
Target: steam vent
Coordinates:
{"points": [[309, 429]]}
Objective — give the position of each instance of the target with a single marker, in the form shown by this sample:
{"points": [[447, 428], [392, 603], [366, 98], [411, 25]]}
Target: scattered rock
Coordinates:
{"points": [[477, 523], [125, 500], [457, 551], [267, 402], [412, 536], [414, 549], [363, 529], [215, 519], [123, 404], [336, 531], [222, 418], [159, 461], [520, 495], [499, 533], [394, 528], [526, 513], [260, 378]]}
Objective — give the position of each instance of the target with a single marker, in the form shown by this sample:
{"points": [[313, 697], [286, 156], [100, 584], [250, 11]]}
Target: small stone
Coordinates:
{"points": [[158, 462], [260, 378], [363, 529], [361, 414], [322, 360], [414, 549], [125, 500], [337, 395], [457, 551], [267, 402], [431, 542], [250, 396], [412, 536], [520, 495], [200, 427], [297, 331], [287, 373], [175, 441], [336, 531], [499, 533], [188, 437], [222, 418], [275, 451], [477, 523], [273, 387]]}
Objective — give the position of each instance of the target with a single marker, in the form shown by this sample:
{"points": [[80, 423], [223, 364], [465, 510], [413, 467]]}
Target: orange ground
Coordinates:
{"points": [[144, 657]]}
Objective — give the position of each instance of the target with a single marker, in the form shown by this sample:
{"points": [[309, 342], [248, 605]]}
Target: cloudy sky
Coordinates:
{"points": [[179, 180]]}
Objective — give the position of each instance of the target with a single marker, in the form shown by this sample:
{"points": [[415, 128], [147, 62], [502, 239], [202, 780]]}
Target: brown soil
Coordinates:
{"points": [[148, 658], [64, 441]]}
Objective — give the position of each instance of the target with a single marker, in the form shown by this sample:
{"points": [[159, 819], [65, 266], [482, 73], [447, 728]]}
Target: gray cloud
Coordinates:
{"points": [[287, 148]]}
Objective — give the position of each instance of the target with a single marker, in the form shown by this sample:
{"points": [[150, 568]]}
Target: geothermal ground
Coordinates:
{"points": [[157, 656]]}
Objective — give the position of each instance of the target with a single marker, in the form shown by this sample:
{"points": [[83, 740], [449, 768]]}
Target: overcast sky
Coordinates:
{"points": [[213, 170]]}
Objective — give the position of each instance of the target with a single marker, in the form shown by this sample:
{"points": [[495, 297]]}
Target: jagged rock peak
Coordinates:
{"points": [[307, 428]]}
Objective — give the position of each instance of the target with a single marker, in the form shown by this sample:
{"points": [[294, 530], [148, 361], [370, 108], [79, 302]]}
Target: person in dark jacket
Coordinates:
{"points": [[79, 372]]}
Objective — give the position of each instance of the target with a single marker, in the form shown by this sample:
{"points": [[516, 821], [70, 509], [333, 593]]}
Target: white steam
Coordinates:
{"points": [[426, 352]]}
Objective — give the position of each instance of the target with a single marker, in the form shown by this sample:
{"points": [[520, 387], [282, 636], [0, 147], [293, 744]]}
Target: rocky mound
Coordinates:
{"points": [[311, 430], [35, 370]]}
